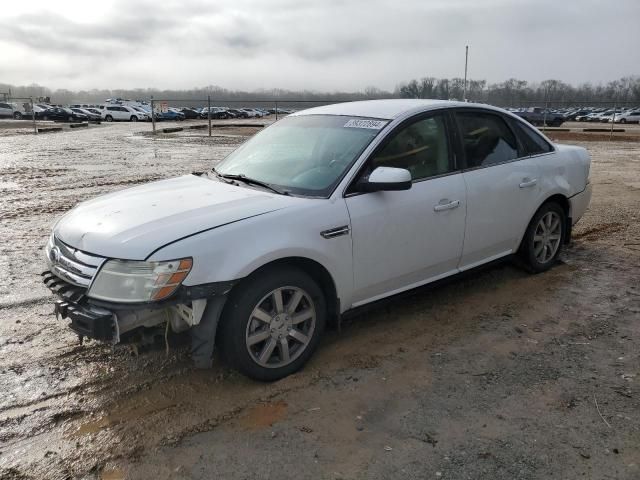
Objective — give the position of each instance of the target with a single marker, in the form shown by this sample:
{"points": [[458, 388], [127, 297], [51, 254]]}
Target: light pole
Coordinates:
{"points": [[466, 63]]}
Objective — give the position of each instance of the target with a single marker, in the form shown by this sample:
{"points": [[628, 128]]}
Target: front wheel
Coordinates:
{"points": [[133, 118], [544, 237], [17, 115], [273, 323], [109, 118]]}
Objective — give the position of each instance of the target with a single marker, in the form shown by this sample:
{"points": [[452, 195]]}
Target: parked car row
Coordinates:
{"points": [[555, 117], [611, 116], [41, 112], [225, 112]]}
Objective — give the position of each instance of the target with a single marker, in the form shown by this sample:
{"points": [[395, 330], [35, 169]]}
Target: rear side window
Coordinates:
{"points": [[486, 139], [112, 109], [5, 105], [532, 142]]}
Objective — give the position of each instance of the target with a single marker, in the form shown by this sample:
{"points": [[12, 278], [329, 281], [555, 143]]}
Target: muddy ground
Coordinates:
{"points": [[495, 375]]}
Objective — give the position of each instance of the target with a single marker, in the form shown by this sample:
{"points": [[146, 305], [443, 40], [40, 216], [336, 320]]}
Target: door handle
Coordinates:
{"points": [[446, 206], [528, 183]]}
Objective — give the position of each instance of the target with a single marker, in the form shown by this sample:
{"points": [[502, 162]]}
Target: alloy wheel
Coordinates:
{"points": [[547, 237], [280, 327]]}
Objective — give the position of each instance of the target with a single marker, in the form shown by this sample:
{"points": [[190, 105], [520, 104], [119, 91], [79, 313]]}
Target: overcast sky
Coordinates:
{"points": [[322, 45]]}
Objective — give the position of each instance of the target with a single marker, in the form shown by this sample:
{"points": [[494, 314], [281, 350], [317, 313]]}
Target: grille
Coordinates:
{"points": [[70, 264]]}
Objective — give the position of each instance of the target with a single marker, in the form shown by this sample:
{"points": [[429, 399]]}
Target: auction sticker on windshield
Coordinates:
{"points": [[360, 123]]}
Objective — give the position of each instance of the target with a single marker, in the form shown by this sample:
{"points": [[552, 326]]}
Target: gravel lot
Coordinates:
{"points": [[494, 375]]}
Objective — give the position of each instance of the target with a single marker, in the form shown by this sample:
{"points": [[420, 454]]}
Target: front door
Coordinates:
{"points": [[402, 239]]}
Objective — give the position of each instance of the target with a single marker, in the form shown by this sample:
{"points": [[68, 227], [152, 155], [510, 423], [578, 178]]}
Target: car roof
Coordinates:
{"points": [[386, 109]]}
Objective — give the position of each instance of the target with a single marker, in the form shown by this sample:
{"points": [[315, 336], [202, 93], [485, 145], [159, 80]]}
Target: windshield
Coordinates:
{"points": [[305, 155]]}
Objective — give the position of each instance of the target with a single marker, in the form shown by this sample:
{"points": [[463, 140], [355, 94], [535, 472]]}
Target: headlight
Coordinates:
{"points": [[134, 281]]}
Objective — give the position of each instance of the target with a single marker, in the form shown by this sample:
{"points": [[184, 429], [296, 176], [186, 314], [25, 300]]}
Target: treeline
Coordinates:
{"points": [[218, 95], [512, 92]]}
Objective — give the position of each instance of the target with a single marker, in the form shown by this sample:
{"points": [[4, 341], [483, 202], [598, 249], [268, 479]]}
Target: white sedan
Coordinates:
{"points": [[324, 211]]}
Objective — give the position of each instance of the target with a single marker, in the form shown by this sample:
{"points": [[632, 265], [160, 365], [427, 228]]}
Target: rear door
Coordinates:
{"points": [[502, 184], [402, 239], [123, 113]]}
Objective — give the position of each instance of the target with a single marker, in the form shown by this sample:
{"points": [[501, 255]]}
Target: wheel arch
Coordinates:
{"points": [[558, 198], [316, 271]]}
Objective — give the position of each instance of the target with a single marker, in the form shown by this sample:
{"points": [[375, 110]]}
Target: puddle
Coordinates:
{"points": [[264, 415], [115, 474]]}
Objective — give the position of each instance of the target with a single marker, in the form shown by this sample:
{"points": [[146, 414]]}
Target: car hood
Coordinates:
{"points": [[133, 223]]}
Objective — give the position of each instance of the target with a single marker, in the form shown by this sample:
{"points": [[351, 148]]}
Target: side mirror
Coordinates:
{"points": [[386, 179]]}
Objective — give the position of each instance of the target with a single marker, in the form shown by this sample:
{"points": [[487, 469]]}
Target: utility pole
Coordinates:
{"points": [[466, 63], [153, 115], [33, 116], [209, 112]]}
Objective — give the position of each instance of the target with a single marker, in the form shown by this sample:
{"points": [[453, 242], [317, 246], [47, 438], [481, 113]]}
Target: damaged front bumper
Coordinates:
{"points": [[86, 320], [109, 322]]}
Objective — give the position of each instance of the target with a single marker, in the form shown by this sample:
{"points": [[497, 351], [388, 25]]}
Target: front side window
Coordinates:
{"points": [[305, 155], [486, 139], [421, 147]]}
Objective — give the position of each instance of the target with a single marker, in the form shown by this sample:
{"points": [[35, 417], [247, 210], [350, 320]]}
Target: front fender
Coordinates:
{"points": [[236, 250]]}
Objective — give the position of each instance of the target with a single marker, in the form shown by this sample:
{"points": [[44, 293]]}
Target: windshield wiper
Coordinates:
{"points": [[251, 181], [221, 177]]}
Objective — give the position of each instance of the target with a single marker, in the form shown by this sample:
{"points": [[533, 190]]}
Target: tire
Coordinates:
{"points": [[45, 118], [133, 118], [109, 118], [17, 116], [540, 250], [69, 119], [623, 120], [265, 359]]}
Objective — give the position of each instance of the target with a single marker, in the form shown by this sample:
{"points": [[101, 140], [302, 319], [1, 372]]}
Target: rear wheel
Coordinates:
{"points": [[623, 120], [544, 237], [17, 115], [272, 323]]}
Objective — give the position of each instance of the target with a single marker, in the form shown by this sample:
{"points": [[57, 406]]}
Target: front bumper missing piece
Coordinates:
{"points": [[86, 320], [198, 307]]}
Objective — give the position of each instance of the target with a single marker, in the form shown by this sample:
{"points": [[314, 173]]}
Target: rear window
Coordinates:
{"points": [[532, 142]]}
